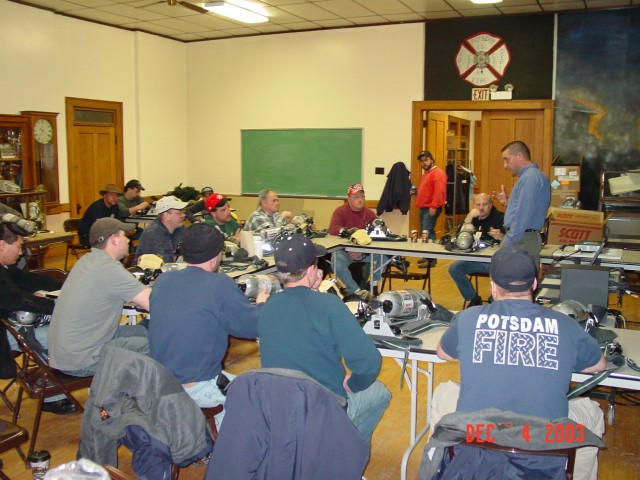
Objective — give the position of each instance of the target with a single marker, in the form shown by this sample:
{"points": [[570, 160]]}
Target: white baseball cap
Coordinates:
{"points": [[168, 203]]}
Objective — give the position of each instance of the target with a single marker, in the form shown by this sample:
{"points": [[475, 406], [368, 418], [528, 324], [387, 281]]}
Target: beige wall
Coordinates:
{"points": [[185, 104]]}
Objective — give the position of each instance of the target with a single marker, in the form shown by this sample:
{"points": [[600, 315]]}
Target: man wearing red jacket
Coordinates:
{"points": [[432, 193]]}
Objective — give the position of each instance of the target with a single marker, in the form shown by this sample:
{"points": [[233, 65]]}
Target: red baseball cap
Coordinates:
{"points": [[215, 200]]}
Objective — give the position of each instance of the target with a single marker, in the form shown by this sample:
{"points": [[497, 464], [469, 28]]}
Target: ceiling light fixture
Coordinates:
{"points": [[243, 11], [486, 1]]}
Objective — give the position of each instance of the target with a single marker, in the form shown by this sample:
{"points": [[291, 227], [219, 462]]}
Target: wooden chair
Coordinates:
{"points": [[71, 225], [39, 380], [473, 277], [55, 273], [570, 453], [424, 276], [115, 474], [11, 436], [209, 414]]}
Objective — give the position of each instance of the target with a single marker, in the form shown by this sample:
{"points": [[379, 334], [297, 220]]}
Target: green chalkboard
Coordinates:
{"points": [[304, 162]]}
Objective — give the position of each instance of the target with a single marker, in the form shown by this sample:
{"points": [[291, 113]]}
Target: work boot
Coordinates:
{"points": [[477, 300]]}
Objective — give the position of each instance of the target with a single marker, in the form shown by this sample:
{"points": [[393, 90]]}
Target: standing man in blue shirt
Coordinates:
{"points": [[529, 201]]}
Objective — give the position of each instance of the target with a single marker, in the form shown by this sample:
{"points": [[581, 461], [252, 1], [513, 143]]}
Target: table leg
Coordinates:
{"points": [[416, 437]]}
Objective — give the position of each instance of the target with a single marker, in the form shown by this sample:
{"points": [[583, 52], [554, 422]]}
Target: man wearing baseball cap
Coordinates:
{"points": [[313, 332], [518, 356], [165, 232], [130, 202], [220, 217], [88, 310], [198, 206], [194, 311], [107, 206], [352, 215]]}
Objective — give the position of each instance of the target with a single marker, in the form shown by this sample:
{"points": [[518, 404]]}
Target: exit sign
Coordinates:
{"points": [[480, 94]]}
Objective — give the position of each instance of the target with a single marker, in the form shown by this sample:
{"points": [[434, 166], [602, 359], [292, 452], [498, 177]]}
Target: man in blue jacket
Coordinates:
{"points": [[313, 332], [193, 311]]}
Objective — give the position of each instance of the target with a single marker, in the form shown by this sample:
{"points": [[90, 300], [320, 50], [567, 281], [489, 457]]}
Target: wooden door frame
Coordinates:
{"points": [[420, 111], [73, 103]]}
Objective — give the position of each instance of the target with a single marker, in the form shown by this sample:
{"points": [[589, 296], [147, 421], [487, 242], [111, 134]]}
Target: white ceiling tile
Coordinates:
{"points": [[338, 22], [345, 8], [405, 17], [308, 11], [440, 15], [478, 12], [372, 20], [271, 28], [302, 26], [57, 5], [100, 16], [384, 7], [135, 13], [93, 3], [153, 28], [179, 25]]}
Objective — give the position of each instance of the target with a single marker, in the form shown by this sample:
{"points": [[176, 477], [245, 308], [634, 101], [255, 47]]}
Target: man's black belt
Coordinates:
{"points": [[527, 230]]}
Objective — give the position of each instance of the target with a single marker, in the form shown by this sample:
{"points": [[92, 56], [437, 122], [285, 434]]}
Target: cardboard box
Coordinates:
{"points": [[557, 197], [568, 226], [565, 178]]}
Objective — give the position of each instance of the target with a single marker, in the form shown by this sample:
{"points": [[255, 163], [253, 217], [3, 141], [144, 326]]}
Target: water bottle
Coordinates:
{"points": [[402, 303], [252, 284]]}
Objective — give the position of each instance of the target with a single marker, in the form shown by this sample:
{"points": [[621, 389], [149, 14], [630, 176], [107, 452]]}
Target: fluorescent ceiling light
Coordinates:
{"points": [[243, 11], [486, 1]]}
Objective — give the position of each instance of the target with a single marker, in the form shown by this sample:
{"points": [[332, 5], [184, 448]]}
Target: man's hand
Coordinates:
{"points": [[501, 196], [286, 215], [262, 296], [496, 233], [355, 256], [345, 383], [432, 211]]}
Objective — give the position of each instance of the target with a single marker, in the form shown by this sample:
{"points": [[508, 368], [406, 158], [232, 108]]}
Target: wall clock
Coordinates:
{"points": [[482, 59]]}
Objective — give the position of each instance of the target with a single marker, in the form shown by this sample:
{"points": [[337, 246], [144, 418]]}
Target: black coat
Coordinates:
{"points": [[397, 190], [16, 293]]}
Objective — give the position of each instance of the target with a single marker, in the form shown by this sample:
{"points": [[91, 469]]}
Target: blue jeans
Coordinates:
{"points": [[207, 395], [365, 408], [129, 337], [427, 222], [42, 336], [459, 270], [341, 262]]}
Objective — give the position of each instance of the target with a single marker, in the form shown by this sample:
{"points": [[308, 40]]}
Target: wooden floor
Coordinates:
{"points": [[620, 461]]}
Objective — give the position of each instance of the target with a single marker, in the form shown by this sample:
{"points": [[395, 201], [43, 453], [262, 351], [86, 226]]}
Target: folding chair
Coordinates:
{"points": [[11, 436], [71, 225], [39, 380]]}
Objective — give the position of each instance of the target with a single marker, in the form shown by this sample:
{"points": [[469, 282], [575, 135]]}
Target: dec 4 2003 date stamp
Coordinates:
{"points": [[554, 432]]}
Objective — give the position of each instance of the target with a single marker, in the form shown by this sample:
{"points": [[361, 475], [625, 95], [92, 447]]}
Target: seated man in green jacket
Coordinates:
{"points": [[218, 207], [314, 332]]}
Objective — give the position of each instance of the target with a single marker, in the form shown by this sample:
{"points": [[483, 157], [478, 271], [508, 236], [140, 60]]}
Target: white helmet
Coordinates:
{"points": [[465, 241]]}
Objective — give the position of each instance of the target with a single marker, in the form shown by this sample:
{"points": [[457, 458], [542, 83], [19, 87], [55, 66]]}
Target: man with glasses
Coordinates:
{"points": [[165, 232], [488, 221], [268, 213]]}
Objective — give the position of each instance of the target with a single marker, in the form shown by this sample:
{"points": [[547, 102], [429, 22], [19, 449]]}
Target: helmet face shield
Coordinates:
{"points": [[464, 240], [24, 319]]}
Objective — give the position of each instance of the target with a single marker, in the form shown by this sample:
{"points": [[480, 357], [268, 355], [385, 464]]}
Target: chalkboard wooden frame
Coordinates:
{"points": [[319, 162]]}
